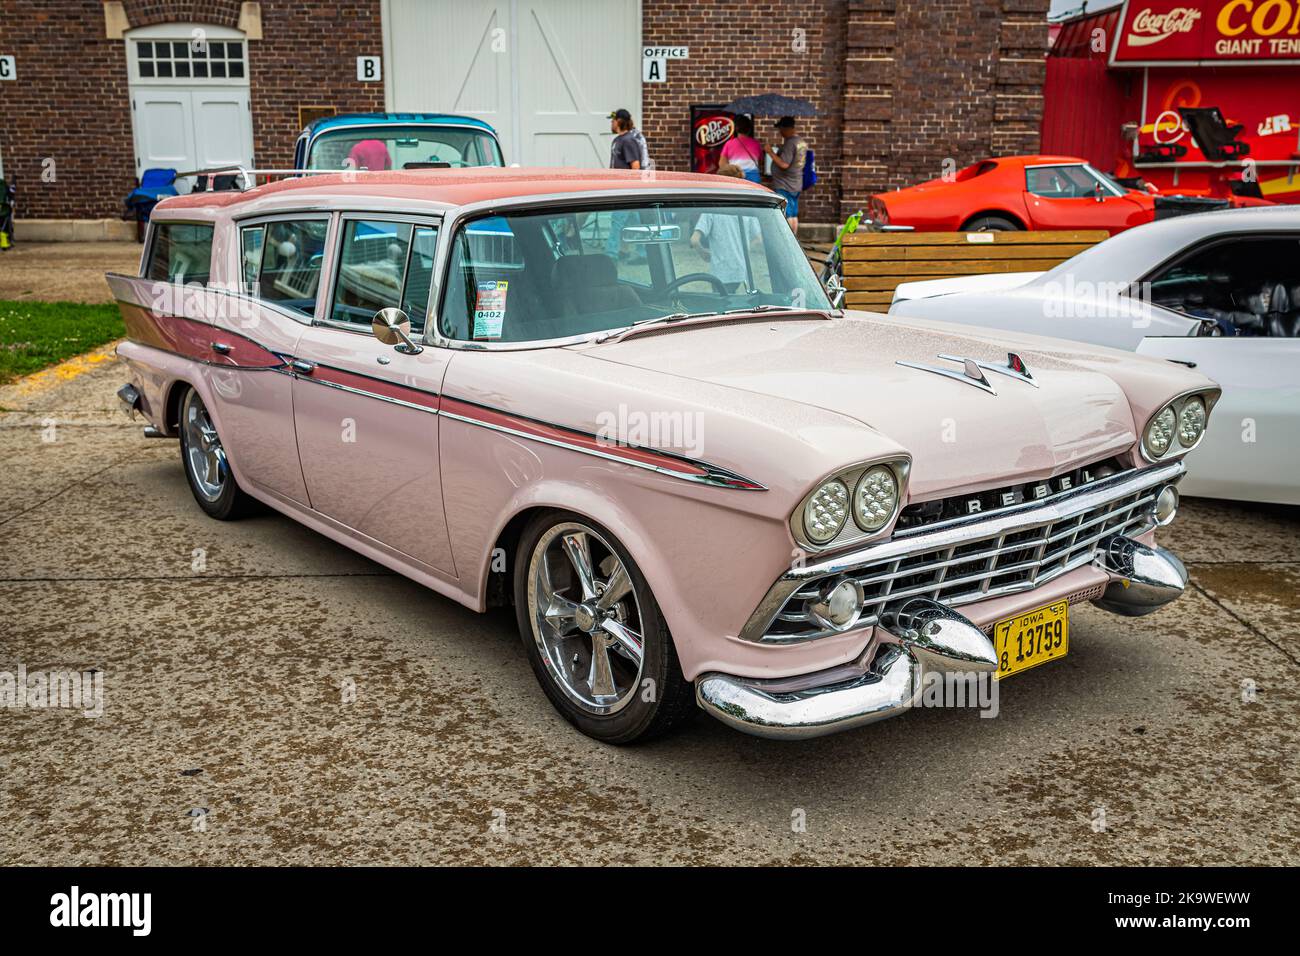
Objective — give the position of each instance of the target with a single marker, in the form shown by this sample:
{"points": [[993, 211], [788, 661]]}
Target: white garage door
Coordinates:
{"points": [[189, 97], [544, 73]]}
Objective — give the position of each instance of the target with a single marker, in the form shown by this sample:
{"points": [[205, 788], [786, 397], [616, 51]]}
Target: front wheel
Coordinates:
{"points": [[206, 465], [594, 633]]}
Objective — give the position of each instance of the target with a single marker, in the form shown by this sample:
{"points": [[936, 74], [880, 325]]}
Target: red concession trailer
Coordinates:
{"points": [[1196, 97]]}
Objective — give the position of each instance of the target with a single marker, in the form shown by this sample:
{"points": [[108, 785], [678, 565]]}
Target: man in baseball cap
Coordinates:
{"points": [[787, 172]]}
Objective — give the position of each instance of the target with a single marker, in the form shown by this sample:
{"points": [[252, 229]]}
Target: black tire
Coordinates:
{"points": [[222, 499], [991, 224], [651, 709]]}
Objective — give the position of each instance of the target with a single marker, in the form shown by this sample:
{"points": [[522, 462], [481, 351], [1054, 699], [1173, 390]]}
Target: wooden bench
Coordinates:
{"points": [[876, 263]]}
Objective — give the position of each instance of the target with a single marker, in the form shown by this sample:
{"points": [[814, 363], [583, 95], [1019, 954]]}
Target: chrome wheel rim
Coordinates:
{"points": [[586, 619], [204, 456]]}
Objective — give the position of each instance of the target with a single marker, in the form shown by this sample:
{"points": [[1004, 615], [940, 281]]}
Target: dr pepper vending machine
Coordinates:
{"points": [[711, 127]]}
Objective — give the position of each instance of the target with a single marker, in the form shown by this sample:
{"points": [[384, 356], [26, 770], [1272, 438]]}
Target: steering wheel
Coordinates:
{"points": [[680, 281]]}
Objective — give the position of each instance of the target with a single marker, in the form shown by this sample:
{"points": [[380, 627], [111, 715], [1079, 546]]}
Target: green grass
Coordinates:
{"points": [[36, 335]]}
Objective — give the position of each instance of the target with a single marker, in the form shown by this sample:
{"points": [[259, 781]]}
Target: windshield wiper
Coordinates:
{"points": [[656, 320], [683, 316]]}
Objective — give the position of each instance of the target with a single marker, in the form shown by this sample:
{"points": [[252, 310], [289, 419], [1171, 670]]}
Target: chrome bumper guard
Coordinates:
{"points": [[1143, 579], [931, 638], [129, 396]]}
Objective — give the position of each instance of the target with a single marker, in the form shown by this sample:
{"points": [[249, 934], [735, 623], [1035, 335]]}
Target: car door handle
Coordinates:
{"points": [[303, 368], [221, 348]]}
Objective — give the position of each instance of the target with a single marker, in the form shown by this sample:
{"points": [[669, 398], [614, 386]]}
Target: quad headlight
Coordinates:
{"points": [[826, 511], [823, 517], [1179, 426], [1191, 422], [1160, 433], [875, 498]]}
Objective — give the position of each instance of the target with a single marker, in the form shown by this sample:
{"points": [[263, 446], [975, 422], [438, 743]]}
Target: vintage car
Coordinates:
{"points": [[396, 141], [1218, 292], [626, 406], [1028, 192]]}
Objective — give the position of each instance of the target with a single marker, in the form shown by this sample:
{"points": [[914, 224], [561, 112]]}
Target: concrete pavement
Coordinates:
{"points": [[323, 710]]}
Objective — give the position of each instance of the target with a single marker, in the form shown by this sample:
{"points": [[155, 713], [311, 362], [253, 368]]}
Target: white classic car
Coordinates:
{"points": [[1218, 292]]}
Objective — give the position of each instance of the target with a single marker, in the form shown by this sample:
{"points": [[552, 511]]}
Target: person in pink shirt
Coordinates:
{"points": [[369, 154], [742, 150]]}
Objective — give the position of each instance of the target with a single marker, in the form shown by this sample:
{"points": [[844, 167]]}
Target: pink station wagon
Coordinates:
{"points": [[626, 406]]}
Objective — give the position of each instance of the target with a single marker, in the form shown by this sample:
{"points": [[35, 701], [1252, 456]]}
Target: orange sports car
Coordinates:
{"points": [[1017, 192]]}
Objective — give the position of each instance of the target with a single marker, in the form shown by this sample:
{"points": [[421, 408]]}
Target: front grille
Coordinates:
{"points": [[971, 566]]}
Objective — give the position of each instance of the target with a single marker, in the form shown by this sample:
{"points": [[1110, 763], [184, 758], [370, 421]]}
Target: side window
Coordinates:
{"points": [[181, 252], [1059, 182], [372, 266], [1245, 287], [251, 239], [419, 276], [291, 263]]}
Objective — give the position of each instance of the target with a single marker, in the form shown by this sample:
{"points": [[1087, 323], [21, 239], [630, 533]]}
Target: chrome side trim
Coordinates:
{"points": [[715, 477], [977, 527], [364, 394]]}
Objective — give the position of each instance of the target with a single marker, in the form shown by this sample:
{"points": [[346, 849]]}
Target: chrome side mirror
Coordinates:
{"points": [[393, 327]]}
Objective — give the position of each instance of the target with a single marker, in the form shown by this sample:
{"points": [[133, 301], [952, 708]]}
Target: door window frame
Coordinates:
{"points": [[1087, 169], [236, 258], [334, 258]]}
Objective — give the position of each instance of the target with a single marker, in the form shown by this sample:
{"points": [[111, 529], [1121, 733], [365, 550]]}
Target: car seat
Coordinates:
{"points": [[589, 283]]}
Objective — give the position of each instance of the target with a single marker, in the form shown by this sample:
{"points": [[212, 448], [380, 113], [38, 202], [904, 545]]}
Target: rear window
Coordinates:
{"points": [[181, 252], [977, 169]]}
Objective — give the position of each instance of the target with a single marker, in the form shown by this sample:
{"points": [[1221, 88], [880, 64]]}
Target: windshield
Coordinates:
{"points": [[560, 274], [398, 147], [1106, 179]]}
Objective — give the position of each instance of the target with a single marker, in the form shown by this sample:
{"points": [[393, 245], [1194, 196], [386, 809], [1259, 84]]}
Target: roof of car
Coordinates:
{"points": [[459, 187], [1136, 250], [1039, 160], [325, 123]]}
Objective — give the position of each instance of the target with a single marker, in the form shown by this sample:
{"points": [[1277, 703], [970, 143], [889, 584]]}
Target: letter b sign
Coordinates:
{"points": [[368, 69]]}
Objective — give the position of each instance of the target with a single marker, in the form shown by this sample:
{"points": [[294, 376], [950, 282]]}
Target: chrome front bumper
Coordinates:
{"points": [[925, 637]]}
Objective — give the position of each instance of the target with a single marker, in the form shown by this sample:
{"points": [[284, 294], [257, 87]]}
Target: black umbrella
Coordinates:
{"points": [[771, 104]]}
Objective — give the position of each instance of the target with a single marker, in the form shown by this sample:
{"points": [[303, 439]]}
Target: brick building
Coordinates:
{"points": [[901, 87]]}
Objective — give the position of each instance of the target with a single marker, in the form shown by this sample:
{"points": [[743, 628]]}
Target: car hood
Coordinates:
{"points": [[960, 436], [992, 282]]}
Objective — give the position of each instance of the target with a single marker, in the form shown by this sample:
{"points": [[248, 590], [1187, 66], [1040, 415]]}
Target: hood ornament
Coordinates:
{"points": [[972, 372], [1015, 367]]}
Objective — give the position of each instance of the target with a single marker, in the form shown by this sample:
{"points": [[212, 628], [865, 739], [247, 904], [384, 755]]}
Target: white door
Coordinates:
{"points": [[164, 129], [223, 128], [190, 106], [544, 73], [1249, 452]]}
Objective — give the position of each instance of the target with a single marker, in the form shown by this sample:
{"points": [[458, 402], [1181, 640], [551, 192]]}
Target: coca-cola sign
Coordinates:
{"points": [[1160, 32], [1149, 27]]}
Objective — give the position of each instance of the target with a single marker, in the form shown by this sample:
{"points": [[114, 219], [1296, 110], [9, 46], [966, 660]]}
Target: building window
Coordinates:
{"points": [[218, 60]]}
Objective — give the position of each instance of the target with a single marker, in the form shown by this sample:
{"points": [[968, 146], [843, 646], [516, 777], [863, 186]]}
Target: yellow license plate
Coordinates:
{"points": [[1032, 639]]}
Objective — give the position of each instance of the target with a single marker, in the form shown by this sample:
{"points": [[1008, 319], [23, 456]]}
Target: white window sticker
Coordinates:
{"points": [[490, 309]]}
